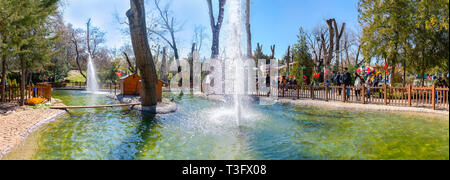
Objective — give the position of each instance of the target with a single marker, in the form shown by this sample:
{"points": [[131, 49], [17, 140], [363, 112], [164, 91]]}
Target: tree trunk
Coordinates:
{"points": [[422, 79], [249, 33], [422, 82], [163, 68], [88, 39], [338, 36], [272, 49], [175, 49], [346, 51], [191, 68], [215, 27], [130, 66], [357, 56], [3, 77], [288, 61], [329, 56], [144, 59], [404, 72], [22, 82], [77, 57]]}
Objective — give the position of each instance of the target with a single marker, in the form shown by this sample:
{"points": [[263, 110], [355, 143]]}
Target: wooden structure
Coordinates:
{"points": [[408, 96], [159, 87], [93, 107], [40, 90], [130, 85]]}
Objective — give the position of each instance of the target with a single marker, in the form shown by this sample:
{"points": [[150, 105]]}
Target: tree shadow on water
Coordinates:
{"points": [[146, 131]]}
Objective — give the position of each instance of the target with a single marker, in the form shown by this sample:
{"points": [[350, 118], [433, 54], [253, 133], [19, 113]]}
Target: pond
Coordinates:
{"points": [[203, 130]]}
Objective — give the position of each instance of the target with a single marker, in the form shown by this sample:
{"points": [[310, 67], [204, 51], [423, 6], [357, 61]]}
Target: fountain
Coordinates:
{"points": [[235, 59], [91, 84]]}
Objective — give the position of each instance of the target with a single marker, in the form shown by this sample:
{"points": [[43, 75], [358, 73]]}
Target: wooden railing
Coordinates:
{"points": [[12, 94], [113, 88], [433, 97], [82, 85], [75, 84]]}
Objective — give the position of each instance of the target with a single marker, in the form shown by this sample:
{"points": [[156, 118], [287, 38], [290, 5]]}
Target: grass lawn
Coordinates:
{"points": [[75, 76]]}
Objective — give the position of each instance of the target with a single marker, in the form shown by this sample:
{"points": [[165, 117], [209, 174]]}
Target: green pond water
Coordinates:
{"points": [[203, 129]]}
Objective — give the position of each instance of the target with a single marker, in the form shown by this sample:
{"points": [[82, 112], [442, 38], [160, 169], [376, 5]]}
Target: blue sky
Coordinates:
{"points": [[273, 22]]}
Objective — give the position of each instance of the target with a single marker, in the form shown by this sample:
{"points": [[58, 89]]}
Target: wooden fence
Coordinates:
{"points": [[12, 94], [433, 97], [82, 85], [113, 88]]}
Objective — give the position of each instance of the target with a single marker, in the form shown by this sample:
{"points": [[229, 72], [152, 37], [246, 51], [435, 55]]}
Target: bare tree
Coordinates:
{"points": [[316, 44], [168, 25], [346, 48], [259, 52], [94, 38], [272, 49], [163, 68], [288, 58], [75, 42], [88, 39], [199, 37], [131, 67], [216, 26], [249, 32], [338, 36], [329, 51], [144, 59]]}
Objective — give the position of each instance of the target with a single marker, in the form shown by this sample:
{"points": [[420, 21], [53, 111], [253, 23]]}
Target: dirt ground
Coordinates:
{"points": [[7, 108], [21, 121]]}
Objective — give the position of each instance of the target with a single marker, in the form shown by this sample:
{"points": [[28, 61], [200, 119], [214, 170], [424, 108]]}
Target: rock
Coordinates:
{"points": [[9, 112], [164, 107]]}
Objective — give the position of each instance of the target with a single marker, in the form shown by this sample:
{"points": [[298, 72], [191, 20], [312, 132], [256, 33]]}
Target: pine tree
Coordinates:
{"points": [[303, 62]]}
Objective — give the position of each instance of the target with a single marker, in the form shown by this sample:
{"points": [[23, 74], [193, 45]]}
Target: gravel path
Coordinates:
{"points": [[15, 127]]}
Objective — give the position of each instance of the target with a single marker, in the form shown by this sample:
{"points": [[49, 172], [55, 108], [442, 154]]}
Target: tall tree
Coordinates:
{"points": [[199, 37], [216, 26], [330, 50], [168, 25], [272, 50], [248, 28], [75, 40], [303, 62], [387, 28], [288, 61], [338, 36], [317, 41], [31, 37], [144, 59]]}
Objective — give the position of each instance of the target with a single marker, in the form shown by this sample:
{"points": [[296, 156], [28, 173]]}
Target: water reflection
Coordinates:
{"points": [[202, 129]]}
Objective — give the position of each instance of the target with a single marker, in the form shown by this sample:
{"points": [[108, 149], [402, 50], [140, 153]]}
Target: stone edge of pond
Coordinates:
{"points": [[224, 99], [360, 107], [32, 129]]}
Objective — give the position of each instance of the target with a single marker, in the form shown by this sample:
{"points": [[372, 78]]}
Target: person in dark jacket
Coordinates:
{"points": [[346, 78], [337, 80], [347, 81]]}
